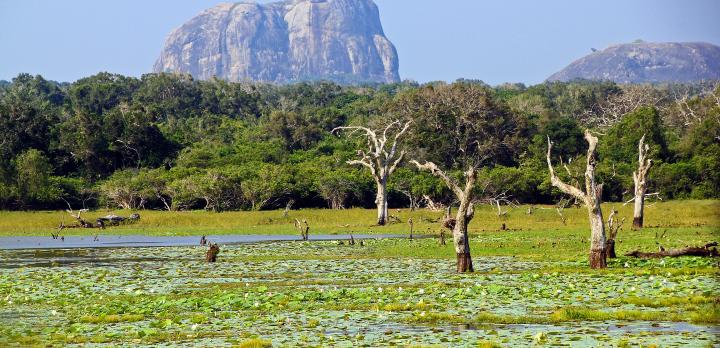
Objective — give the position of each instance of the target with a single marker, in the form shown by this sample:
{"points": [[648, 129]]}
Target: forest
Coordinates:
{"points": [[169, 142]]}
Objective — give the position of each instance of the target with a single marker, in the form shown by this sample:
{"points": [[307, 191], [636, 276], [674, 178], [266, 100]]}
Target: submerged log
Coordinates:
{"points": [[704, 251]]}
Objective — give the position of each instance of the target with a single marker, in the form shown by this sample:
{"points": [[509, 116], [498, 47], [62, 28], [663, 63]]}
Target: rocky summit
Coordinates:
{"points": [[294, 40], [641, 62]]}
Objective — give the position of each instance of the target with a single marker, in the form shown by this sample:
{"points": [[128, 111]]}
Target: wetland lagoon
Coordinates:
{"points": [[530, 288]]}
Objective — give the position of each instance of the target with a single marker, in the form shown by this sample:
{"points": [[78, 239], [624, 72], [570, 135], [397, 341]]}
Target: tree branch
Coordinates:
{"points": [[555, 180], [434, 170]]}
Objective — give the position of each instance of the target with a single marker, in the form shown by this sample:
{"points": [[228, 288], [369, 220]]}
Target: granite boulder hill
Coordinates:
{"points": [[294, 40], [642, 62]]}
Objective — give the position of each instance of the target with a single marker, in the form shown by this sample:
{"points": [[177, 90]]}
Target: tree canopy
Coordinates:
{"points": [[167, 141]]}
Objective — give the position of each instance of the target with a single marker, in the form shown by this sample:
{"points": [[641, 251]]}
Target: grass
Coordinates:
{"points": [[113, 318], [255, 343], [544, 220], [670, 301], [707, 314]]}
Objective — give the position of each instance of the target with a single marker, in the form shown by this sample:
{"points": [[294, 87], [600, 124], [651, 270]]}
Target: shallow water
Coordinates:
{"points": [[109, 241]]}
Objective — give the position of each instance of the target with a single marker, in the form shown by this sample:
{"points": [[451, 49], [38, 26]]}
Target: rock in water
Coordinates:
{"points": [[294, 40], [641, 62]]}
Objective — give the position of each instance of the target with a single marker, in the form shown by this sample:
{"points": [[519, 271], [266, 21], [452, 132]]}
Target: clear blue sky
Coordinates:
{"points": [[495, 41]]}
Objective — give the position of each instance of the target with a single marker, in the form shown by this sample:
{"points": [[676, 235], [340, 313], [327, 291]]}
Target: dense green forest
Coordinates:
{"points": [[166, 141]]}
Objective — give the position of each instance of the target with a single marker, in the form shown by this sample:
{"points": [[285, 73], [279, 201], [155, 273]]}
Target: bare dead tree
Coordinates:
{"points": [[640, 180], [127, 145], [432, 205], [691, 103], [303, 227], [465, 212], [687, 112], [86, 195], [610, 111], [288, 206], [381, 160], [413, 199], [497, 200], [560, 208], [410, 222], [77, 216], [591, 198], [614, 227]]}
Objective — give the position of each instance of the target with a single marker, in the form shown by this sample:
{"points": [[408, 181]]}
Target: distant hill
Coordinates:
{"points": [[647, 62], [293, 40]]}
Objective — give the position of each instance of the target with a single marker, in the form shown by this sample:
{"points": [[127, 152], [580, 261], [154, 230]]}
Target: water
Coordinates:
{"points": [[107, 241]]}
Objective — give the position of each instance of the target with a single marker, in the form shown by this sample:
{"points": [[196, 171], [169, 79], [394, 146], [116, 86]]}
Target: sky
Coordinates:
{"points": [[494, 41]]}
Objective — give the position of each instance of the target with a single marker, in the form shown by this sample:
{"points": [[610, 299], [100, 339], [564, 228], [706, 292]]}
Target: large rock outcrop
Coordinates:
{"points": [[294, 40], [641, 62]]}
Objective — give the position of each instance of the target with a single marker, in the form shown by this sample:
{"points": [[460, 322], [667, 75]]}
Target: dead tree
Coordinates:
{"points": [[692, 101], [212, 253], [498, 200], [591, 199], [560, 208], [288, 206], [381, 161], [613, 227], [77, 216], [640, 179], [413, 199], [707, 250], [430, 204], [410, 222], [464, 214], [611, 110], [303, 227]]}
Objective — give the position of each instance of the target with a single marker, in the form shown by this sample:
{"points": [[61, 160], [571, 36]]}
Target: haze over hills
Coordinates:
{"points": [[641, 62], [293, 40]]}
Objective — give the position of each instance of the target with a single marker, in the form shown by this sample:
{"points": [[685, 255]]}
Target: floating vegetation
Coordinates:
{"points": [[325, 294]]}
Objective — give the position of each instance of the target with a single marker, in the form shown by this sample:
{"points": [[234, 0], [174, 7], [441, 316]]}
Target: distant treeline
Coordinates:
{"points": [[166, 141]]}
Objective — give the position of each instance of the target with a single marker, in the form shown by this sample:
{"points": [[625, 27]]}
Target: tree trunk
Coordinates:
{"points": [[460, 238], [592, 198], [597, 231], [164, 201], [381, 201], [336, 203], [464, 214], [410, 222], [640, 180], [212, 252], [610, 249], [381, 161], [639, 208]]}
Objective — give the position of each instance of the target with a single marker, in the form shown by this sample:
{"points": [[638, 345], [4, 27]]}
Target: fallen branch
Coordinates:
{"points": [[704, 251]]}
